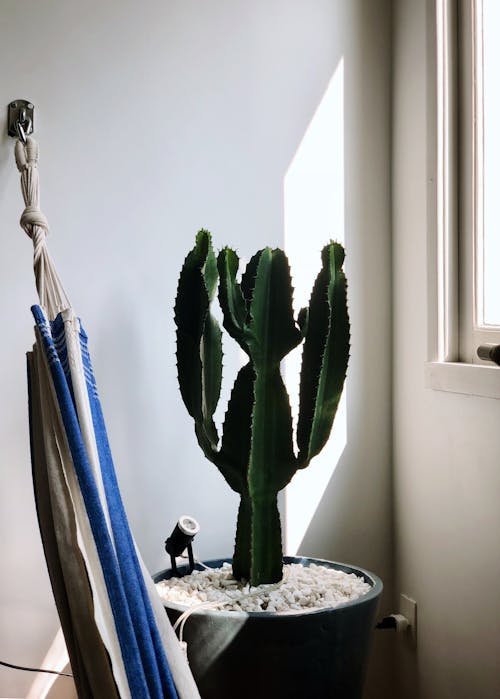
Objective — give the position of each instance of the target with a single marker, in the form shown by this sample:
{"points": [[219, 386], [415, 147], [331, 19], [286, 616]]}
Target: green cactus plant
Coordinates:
{"points": [[256, 454]]}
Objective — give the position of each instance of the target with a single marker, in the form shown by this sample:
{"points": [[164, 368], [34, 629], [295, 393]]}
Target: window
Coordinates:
{"points": [[464, 161], [479, 176]]}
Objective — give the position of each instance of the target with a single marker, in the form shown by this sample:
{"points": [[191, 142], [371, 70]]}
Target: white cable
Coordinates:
{"points": [[200, 563], [181, 620]]}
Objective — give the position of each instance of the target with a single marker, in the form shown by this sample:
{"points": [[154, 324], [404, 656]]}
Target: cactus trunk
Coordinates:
{"points": [[242, 560], [257, 552], [267, 554]]}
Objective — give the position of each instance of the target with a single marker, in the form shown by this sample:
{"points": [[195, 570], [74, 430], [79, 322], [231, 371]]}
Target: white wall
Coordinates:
{"points": [[446, 446], [155, 119]]}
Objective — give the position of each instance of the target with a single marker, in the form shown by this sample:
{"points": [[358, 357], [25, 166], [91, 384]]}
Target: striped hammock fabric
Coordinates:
{"points": [[120, 642]]}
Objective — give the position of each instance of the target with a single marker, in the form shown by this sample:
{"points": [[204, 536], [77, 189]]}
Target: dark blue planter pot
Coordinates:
{"points": [[266, 655]]}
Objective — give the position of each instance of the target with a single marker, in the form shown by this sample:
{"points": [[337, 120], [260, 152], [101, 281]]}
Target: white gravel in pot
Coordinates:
{"points": [[302, 588]]}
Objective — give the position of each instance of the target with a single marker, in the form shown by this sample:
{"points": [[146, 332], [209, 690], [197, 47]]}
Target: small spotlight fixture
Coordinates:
{"points": [[180, 539]]}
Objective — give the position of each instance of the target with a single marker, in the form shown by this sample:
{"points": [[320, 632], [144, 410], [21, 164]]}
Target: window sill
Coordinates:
{"points": [[469, 379]]}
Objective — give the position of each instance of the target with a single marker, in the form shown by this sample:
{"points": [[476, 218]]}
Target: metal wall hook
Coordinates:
{"points": [[20, 119], [23, 127]]}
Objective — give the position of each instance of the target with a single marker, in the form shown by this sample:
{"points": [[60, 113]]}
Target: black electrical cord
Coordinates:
{"points": [[34, 669]]}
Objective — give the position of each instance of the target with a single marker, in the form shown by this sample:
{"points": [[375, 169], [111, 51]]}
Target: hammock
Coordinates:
{"points": [[120, 642]]}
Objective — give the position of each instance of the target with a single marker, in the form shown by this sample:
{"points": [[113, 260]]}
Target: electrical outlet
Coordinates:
{"points": [[408, 608]]}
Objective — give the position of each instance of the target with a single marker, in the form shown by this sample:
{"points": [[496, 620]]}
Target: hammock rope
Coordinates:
{"points": [[51, 293]]}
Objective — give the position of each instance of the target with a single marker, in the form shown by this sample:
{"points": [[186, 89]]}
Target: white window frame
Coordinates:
{"points": [[453, 325]]}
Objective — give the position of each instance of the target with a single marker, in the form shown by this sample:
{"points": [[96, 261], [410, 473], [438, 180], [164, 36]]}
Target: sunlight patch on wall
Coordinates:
{"points": [[314, 214]]}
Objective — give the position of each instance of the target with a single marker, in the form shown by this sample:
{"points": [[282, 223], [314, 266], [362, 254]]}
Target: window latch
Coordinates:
{"points": [[489, 353]]}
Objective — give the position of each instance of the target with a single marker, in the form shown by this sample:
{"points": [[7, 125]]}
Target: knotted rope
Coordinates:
{"points": [[51, 293]]}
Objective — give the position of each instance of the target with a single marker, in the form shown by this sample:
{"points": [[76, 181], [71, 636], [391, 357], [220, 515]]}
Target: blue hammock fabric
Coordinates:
{"points": [[146, 666]]}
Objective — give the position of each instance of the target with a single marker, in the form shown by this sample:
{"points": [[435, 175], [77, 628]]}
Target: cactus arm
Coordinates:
{"points": [[271, 334], [191, 307], [210, 271], [231, 297], [236, 432], [272, 331], [325, 355], [248, 280], [303, 321], [205, 442], [199, 346], [235, 450], [211, 376], [335, 361], [272, 460]]}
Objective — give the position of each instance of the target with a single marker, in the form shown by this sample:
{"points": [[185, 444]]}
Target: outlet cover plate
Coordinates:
{"points": [[408, 608]]}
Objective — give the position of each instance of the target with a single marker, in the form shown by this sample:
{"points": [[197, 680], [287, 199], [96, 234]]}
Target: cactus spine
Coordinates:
{"points": [[255, 454]]}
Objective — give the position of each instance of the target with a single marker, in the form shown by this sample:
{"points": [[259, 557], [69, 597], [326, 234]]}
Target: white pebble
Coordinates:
{"points": [[302, 588]]}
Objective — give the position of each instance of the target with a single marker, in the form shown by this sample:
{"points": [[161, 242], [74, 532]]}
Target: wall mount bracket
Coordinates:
{"points": [[20, 119]]}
